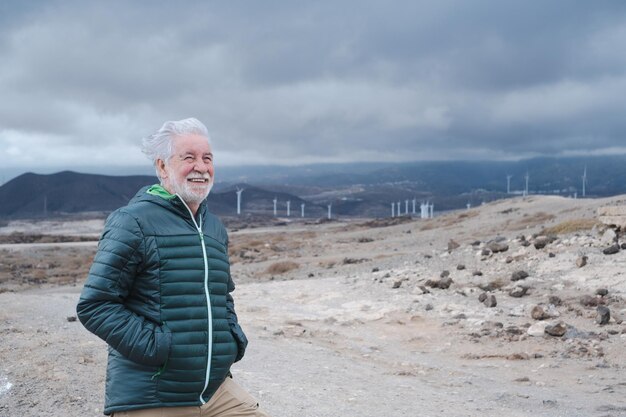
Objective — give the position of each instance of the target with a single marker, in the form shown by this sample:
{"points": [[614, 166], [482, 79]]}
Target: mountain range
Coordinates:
{"points": [[356, 190]]}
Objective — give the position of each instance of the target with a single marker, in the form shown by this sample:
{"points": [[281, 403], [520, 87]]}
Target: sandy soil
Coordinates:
{"points": [[346, 318]]}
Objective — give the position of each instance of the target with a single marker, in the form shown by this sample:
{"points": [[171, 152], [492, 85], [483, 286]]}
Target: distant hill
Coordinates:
{"points": [[34, 195], [66, 193], [606, 175], [356, 189]]}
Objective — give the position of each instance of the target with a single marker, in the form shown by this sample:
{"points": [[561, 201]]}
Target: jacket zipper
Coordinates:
{"points": [[208, 300]]}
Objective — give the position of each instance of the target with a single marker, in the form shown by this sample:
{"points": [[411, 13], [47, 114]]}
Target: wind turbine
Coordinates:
{"points": [[302, 209], [584, 180], [239, 191], [406, 207], [425, 208], [414, 201], [288, 208], [526, 189], [275, 201], [393, 209], [329, 211], [508, 184]]}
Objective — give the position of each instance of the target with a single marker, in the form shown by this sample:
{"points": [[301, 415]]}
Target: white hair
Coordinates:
{"points": [[159, 145]]}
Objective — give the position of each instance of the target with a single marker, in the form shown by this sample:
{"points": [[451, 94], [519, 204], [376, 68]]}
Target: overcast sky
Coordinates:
{"points": [[294, 82]]}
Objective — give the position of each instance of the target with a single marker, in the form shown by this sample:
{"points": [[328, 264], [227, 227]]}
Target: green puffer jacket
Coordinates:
{"points": [[158, 293]]}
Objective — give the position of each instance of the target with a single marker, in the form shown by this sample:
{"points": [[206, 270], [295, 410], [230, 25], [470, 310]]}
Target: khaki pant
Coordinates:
{"points": [[230, 400]]}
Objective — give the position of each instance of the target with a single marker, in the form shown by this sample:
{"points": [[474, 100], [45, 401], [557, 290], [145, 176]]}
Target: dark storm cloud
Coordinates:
{"points": [[291, 82]]}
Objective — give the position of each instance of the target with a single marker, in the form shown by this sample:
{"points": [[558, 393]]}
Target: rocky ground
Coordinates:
{"points": [[511, 308]]}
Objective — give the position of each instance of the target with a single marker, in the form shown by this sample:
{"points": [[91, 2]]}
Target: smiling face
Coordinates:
{"points": [[189, 171]]}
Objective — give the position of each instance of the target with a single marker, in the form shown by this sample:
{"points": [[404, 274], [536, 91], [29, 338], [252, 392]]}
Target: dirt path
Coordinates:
{"points": [[322, 347]]}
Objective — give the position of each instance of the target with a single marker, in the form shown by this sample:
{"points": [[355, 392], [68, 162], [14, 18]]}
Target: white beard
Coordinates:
{"points": [[187, 192]]}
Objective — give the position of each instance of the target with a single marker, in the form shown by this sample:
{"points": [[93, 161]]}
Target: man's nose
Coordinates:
{"points": [[203, 167]]}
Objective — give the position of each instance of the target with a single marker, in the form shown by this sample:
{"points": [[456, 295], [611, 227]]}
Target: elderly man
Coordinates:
{"points": [[159, 292]]}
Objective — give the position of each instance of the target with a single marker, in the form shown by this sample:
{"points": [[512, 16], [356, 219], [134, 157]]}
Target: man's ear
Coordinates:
{"points": [[160, 165]]}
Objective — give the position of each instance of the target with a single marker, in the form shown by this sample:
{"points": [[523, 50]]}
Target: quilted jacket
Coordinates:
{"points": [[158, 293]]}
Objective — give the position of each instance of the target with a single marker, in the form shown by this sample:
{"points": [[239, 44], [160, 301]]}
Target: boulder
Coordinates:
{"points": [[602, 292], [497, 247], [443, 283], [555, 300], [519, 275], [518, 291], [613, 216], [609, 237], [603, 316], [557, 330], [589, 301], [611, 250], [538, 313], [490, 301], [452, 245], [541, 242], [537, 329]]}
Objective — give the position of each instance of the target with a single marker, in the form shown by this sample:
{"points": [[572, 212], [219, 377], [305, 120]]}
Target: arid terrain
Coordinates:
{"points": [[500, 310]]}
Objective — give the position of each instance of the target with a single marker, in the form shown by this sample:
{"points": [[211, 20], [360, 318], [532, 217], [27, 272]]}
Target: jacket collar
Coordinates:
{"points": [[158, 190]]}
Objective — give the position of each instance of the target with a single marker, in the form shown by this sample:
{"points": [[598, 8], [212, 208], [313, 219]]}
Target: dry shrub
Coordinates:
{"points": [[429, 225], [19, 237], [571, 226], [38, 275], [306, 235], [240, 244], [49, 266], [534, 220], [448, 220], [282, 242], [498, 283], [277, 237], [381, 222], [468, 215], [495, 284], [541, 216], [327, 264], [281, 267]]}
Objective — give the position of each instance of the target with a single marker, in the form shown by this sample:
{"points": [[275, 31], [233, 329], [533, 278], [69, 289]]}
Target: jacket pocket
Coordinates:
{"points": [[163, 336], [240, 338]]}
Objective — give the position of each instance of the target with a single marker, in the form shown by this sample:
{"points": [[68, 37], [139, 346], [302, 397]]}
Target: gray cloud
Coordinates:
{"points": [[292, 82]]}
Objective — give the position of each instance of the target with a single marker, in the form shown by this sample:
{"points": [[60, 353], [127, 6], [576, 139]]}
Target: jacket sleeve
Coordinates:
{"points": [[101, 306], [233, 322]]}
